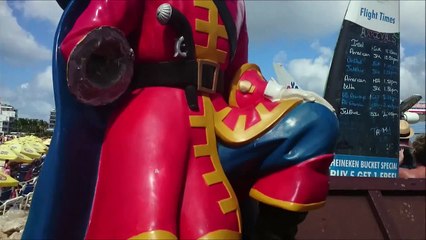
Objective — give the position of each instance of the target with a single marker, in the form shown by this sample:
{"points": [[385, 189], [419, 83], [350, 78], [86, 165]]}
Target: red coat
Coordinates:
{"points": [[159, 172]]}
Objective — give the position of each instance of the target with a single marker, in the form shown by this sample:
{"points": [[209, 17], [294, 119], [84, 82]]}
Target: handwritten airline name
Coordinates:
{"points": [[348, 111], [348, 78]]}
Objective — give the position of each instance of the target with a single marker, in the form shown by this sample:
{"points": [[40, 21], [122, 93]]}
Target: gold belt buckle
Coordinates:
{"points": [[202, 63]]}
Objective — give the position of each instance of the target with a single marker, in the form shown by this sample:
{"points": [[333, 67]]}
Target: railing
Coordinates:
{"points": [[369, 208]]}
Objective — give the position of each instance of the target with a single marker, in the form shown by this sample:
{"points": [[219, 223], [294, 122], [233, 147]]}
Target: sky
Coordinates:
{"points": [[299, 34]]}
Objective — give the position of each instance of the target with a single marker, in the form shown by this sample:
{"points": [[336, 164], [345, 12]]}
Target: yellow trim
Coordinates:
{"points": [[223, 113], [228, 205], [198, 121], [211, 178], [156, 234], [241, 123], [214, 31], [291, 206], [252, 88], [210, 149], [240, 134], [261, 109], [201, 150], [234, 85], [222, 234]]}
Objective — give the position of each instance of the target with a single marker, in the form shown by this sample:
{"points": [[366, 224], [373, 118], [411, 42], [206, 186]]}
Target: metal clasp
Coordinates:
{"points": [[180, 43], [201, 86]]}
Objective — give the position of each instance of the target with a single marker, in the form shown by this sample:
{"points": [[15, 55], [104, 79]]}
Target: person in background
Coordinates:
{"points": [[419, 149], [405, 133], [418, 157], [6, 167]]}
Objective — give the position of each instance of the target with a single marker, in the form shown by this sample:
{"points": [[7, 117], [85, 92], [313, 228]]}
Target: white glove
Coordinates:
{"points": [[276, 92]]}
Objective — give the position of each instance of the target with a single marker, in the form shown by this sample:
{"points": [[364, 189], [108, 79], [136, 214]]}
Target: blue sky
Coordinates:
{"points": [[299, 34]]}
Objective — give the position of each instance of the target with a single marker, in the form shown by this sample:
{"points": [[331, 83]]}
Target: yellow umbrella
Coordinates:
{"points": [[39, 147], [30, 151], [34, 138], [47, 142], [15, 140], [6, 153], [7, 181], [25, 149], [23, 158]]}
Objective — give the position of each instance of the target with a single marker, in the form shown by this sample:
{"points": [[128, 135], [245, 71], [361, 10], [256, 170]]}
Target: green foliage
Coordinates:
{"points": [[32, 126]]}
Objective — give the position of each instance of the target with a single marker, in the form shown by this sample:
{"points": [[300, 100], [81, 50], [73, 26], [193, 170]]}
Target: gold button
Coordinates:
{"points": [[244, 86]]}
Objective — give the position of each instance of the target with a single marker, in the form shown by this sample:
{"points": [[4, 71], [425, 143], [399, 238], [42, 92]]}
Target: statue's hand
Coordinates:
{"points": [[277, 92]]}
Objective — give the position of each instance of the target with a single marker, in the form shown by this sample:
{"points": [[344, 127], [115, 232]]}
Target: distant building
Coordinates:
{"points": [[8, 116], [52, 120]]}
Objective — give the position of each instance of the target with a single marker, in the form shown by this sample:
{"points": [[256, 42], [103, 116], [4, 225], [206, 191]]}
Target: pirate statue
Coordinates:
{"points": [[164, 130]]}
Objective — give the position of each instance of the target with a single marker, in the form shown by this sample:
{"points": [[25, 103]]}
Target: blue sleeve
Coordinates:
{"points": [[307, 131], [63, 196]]}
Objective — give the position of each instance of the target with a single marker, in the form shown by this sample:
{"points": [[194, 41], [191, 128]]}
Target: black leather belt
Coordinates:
{"points": [[190, 75]]}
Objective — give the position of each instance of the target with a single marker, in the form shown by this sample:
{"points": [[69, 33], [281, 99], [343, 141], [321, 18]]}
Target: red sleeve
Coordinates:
{"points": [[124, 15], [239, 69], [241, 54]]}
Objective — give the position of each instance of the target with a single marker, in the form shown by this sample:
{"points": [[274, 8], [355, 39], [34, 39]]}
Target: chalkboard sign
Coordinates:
{"points": [[368, 106], [363, 86]]}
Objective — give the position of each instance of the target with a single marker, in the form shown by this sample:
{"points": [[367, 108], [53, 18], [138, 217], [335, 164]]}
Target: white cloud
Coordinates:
{"points": [[412, 21], [401, 51], [280, 57], [25, 85], [6, 93], [43, 81], [317, 19], [268, 20], [311, 74], [37, 109], [412, 76], [33, 99], [43, 10], [18, 46]]}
